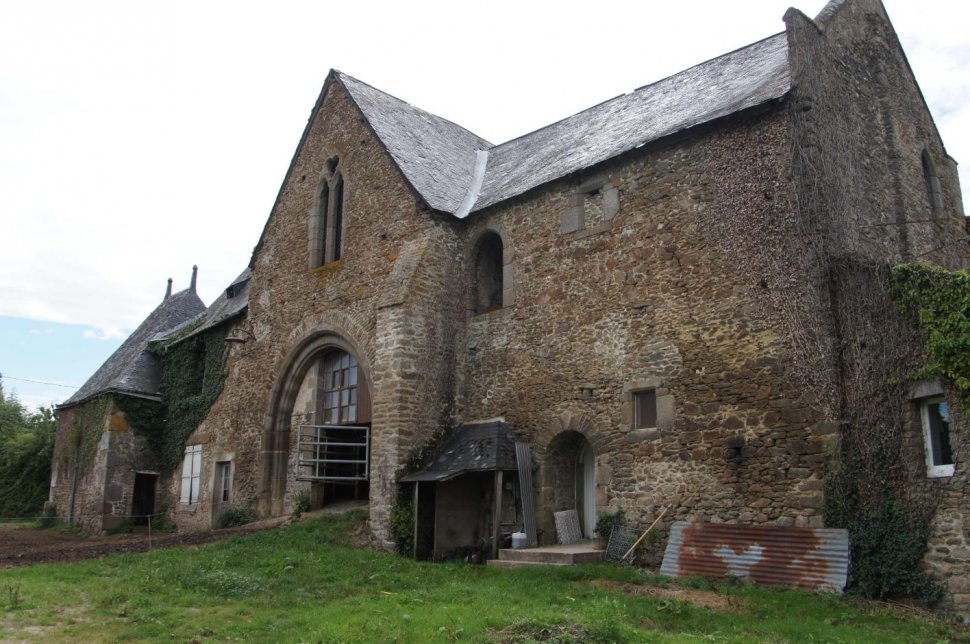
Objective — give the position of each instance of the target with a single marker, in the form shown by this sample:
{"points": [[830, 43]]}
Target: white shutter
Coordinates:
{"points": [[191, 469]]}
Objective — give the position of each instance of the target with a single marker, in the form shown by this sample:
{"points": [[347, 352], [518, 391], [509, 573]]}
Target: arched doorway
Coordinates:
{"points": [[570, 478], [318, 431]]}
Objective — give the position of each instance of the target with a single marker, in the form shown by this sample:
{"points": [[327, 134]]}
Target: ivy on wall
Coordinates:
{"points": [[193, 373], [940, 301]]}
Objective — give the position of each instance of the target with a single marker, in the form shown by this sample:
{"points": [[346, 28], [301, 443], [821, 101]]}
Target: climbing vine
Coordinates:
{"points": [[85, 432], [940, 300], [193, 373]]}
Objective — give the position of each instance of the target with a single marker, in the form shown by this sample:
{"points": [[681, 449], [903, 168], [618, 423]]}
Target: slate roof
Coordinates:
{"points": [[131, 369], [458, 172], [475, 447], [436, 156], [233, 301]]}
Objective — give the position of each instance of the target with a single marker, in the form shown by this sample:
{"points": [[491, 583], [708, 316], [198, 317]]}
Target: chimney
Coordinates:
{"points": [[168, 291], [195, 274]]}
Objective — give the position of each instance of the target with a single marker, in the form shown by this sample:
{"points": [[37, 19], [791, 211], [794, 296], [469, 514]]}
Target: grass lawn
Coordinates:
{"points": [[304, 583]]}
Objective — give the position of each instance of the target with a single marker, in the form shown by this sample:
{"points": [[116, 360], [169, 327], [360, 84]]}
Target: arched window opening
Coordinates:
{"points": [[487, 286], [338, 399], [321, 258], [338, 215], [327, 218], [932, 183]]}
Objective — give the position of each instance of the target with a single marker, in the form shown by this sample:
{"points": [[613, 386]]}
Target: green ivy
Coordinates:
{"points": [[887, 536], [193, 373], [940, 300]]}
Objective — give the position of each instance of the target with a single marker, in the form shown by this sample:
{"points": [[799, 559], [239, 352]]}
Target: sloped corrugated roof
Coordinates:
{"points": [[131, 369], [443, 163], [475, 447]]}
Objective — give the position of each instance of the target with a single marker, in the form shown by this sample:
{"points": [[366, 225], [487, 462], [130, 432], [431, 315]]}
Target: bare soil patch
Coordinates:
{"points": [[25, 545], [702, 598]]}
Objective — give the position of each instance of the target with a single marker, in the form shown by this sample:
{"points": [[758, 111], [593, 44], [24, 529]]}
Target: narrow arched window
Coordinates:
{"points": [[322, 224], [327, 217], [932, 183], [487, 286], [338, 216]]}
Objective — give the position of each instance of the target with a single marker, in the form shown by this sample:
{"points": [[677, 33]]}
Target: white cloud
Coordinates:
{"points": [[41, 331], [104, 334], [140, 139]]}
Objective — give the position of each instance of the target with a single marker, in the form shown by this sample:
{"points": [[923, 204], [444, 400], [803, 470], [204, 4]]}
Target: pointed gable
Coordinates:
{"points": [[436, 156]]}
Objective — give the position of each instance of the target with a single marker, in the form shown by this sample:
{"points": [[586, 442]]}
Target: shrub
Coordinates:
{"points": [[301, 503], [607, 521], [237, 514]]}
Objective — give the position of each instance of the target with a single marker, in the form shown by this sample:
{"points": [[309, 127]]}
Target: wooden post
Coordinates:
{"points": [[149, 533], [414, 527], [497, 517]]}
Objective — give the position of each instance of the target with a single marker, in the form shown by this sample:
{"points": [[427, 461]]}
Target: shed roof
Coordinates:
{"points": [[475, 447], [131, 369], [457, 172]]}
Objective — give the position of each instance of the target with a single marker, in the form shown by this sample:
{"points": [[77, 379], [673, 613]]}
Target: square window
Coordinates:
{"points": [[935, 414], [644, 409]]}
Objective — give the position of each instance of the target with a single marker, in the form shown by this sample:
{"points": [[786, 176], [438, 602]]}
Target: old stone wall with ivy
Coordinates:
{"points": [[76, 492], [861, 132]]}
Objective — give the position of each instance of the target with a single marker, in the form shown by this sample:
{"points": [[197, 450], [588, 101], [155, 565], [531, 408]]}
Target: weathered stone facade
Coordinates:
{"points": [[730, 267]]}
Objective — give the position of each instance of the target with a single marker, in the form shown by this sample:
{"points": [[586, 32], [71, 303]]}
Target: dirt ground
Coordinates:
{"points": [[22, 545]]}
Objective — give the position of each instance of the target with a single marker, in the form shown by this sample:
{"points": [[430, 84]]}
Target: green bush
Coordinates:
{"points": [[237, 514], [607, 521], [301, 503]]}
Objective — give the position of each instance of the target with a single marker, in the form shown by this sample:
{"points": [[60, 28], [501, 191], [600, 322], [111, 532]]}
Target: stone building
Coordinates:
{"points": [[674, 297]]}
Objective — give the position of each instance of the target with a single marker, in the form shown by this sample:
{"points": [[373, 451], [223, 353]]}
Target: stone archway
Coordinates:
{"points": [[309, 355]]}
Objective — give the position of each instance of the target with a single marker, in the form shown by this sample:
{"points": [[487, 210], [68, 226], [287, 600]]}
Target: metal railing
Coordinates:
{"points": [[333, 453]]}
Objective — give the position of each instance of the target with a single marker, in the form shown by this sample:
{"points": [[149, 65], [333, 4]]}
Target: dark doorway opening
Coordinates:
{"points": [[143, 497]]}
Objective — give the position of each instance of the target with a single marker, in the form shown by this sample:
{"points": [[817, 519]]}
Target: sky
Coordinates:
{"points": [[138, 139]]}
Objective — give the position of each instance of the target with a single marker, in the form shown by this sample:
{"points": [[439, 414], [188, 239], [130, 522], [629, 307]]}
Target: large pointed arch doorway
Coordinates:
{"points": [[318, 435]]}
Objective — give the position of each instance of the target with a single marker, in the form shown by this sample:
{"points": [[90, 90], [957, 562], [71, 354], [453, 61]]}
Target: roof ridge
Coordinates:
{"points": [[343, 75], [639, 89]]}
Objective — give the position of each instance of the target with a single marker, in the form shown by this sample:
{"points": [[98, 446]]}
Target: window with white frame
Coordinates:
{"points": [[936, 436], [191, 470]]}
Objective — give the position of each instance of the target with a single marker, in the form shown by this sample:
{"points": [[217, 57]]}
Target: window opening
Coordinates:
{"points": [[936, 434], [338, 216], [224, 469], [932, 183], [324, 211], [645, 409], [488, 274], [191, 470]]}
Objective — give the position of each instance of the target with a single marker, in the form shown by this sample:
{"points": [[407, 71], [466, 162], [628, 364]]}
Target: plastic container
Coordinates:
{"points": [[519, 540]]}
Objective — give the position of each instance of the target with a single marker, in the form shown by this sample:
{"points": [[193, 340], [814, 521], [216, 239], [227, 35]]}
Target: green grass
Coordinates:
{"points": [[304, 583]]}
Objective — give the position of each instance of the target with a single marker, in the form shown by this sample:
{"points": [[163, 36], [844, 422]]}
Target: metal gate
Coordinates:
{"points": [[333, 453]]}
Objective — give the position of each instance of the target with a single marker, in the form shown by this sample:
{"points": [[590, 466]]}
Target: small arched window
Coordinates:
{"points": [[487, 283], [338, 216], [326, 220], [932, 183]]}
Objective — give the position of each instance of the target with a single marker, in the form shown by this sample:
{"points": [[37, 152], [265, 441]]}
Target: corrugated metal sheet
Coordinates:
{"points": [[814, 558]]}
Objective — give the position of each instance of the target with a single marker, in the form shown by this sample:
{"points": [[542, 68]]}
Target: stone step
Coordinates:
{"points": [[551, 556], [506, 563]]}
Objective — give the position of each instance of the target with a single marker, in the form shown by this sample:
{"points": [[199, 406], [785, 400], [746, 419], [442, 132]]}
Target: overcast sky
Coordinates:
{"points": [[138, 139]]}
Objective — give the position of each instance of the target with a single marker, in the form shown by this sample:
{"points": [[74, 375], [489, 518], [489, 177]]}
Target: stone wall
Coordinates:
{"points": [[868, 199], [388, 300], [96, 456], [650, 295]]}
